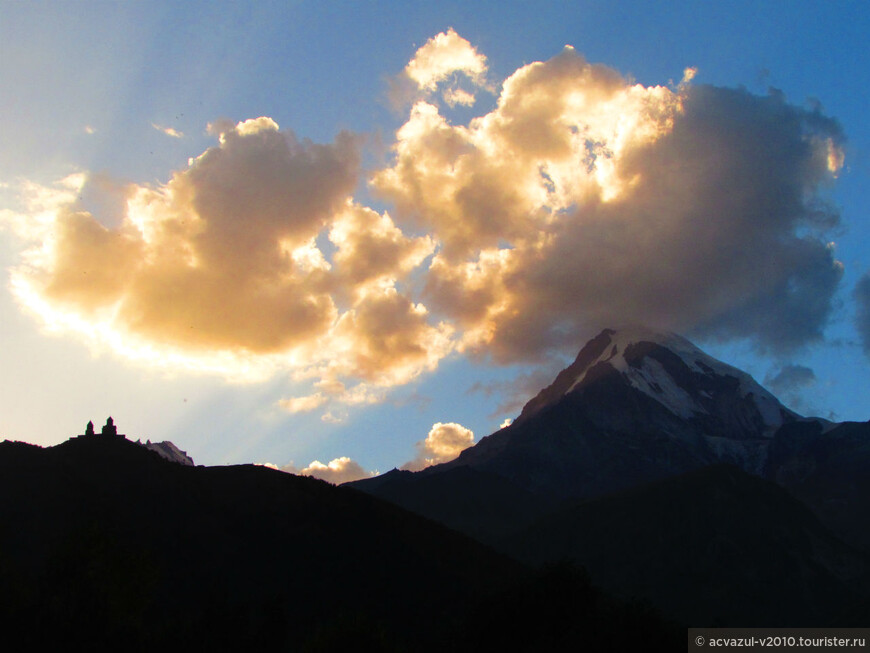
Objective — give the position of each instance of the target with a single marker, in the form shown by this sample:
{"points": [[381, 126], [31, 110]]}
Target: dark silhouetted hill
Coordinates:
{"points": [[827, 466], [105, 544], [713, 546]]}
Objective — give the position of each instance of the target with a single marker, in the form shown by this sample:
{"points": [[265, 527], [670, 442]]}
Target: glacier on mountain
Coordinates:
{"points": [[649, 375]]}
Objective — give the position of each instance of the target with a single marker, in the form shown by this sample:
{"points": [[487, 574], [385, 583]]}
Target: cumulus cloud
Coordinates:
{"points": [[372, 250], [581, 200], [253, 259], [386, 326], [208, 259], [337, 471], [584, 200], [443, 444], [443, 55], [458, 96], [862, 317], [445, 61]]}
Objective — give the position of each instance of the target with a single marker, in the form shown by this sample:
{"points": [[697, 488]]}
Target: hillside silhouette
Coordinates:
{"points": [[106, 543]]}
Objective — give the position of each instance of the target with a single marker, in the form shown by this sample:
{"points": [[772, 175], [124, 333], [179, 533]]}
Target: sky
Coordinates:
{"points": [[339, 238]]}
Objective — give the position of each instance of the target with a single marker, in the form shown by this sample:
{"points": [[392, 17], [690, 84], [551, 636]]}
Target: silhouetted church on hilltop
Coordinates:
{"points": [[109, 430]]}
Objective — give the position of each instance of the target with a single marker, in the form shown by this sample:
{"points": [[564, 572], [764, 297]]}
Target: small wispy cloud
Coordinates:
{"points": [[303, 404], [169, 131]]}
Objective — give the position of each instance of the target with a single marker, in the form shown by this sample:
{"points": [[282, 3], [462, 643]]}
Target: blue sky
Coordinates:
{"points": [[122, 94]]}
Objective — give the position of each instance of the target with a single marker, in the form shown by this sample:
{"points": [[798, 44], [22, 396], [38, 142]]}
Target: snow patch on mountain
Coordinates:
{"points": [[653, 380], [650, 377], [170, 452]]}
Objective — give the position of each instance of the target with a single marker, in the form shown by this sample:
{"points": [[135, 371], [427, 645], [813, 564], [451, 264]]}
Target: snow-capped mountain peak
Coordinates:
{"points": [[636, 405], [669, 369]]}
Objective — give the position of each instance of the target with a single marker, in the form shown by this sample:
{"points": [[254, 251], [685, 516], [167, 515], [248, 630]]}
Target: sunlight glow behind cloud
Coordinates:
{"points": [[581, 200]]}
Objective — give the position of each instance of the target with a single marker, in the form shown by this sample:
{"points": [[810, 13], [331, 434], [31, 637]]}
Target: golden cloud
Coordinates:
{"points": [[443, 443], [336, 471], [584, 200], [446, 61], [443, 55], [252, 259], [371, 249], [581, 200], [303, 404]]}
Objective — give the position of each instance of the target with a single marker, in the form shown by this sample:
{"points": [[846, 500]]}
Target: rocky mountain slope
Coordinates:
{"points": [[634, 407]]}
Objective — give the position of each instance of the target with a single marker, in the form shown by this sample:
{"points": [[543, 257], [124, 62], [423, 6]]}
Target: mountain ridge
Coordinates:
{"points": [[217, 548], [627, 384], [759, 554], [105, 543], [635, 414], [608, 470]]}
